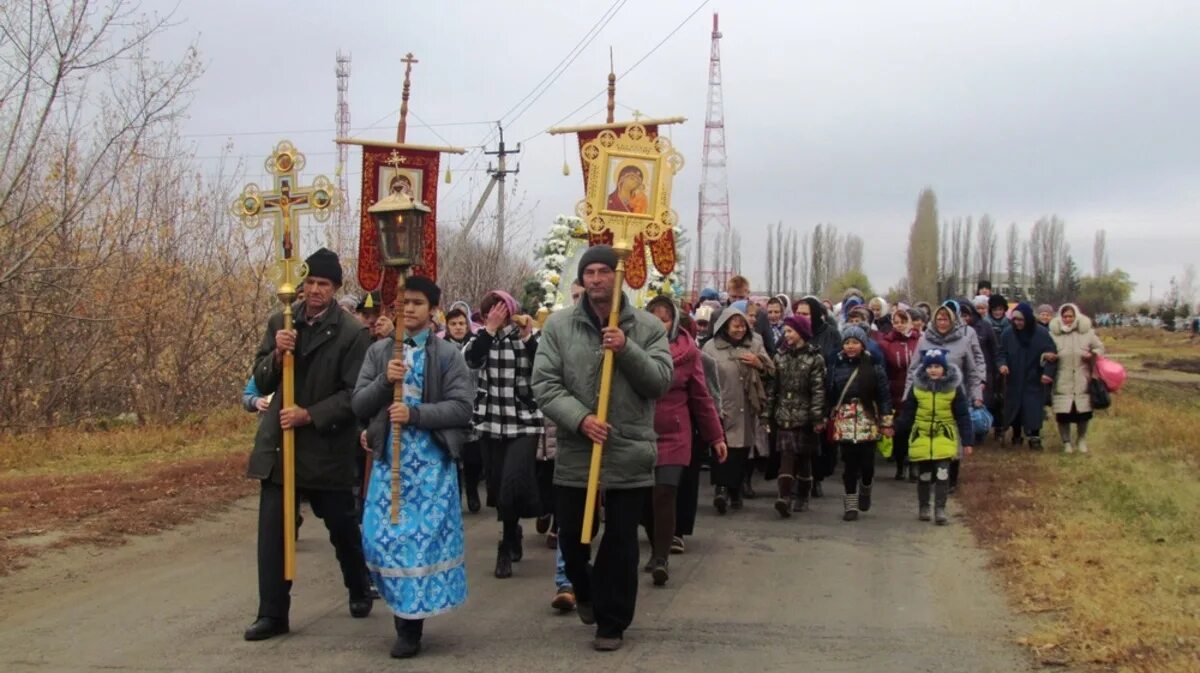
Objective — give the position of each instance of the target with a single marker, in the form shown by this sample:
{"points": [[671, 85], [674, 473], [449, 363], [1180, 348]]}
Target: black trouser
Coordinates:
{"points": [[611, 583], [336, 509], [472, 467], [732, 473], [860, 464]]}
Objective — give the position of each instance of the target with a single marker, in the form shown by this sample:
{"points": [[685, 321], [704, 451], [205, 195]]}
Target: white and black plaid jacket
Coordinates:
{"points": [[504, 404]]}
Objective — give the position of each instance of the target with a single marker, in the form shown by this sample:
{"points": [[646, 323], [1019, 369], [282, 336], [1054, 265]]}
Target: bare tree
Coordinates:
{"points": [[780, 257], [1014, 254], [805, 262], [986, 248], [1188, 289], [770, 258], [1048, 250]]}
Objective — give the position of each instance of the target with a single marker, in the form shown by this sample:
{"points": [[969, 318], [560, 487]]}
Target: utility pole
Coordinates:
{"points": [[498, 176]]}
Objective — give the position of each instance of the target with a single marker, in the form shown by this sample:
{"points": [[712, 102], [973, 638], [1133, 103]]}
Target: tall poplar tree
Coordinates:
{"points": [[923, 249]]}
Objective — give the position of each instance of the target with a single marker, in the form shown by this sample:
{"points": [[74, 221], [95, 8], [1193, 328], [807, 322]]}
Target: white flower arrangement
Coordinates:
{"points": [[553, 255]]}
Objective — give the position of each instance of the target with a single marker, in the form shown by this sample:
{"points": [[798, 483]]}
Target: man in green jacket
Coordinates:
{"points": [[328, 345], [566, 383]]}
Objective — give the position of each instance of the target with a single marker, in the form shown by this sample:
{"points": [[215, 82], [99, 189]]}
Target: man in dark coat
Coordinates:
{"points": [[1027, 373], [328, 345]]}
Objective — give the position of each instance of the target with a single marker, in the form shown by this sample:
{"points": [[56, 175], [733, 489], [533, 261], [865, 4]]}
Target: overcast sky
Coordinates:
{"points": [[835, 111]]}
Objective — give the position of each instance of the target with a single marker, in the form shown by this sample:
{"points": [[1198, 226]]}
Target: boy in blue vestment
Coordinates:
{"points": [[416, 564]]}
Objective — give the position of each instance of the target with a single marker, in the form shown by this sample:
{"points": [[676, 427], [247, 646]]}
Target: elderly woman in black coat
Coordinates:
{"points": [[1027, 373]]}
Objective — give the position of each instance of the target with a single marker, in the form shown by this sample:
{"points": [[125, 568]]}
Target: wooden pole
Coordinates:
{"points": [[606, 374], [398, 396], [289, 457]]}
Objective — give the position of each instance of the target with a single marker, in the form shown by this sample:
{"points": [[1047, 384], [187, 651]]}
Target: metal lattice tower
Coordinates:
{"points": [[714, 185], [341, 221]]}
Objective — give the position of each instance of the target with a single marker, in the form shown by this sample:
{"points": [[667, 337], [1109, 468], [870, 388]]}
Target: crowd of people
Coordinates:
{"points": [[751, 389]]}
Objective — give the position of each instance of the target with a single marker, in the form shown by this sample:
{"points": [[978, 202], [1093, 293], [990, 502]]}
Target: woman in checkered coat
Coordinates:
{"points": [[507, 418]]}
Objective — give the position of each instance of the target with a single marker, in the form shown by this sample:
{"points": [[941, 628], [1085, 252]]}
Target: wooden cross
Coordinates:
{"points": [[283, 206], [402, 128]]}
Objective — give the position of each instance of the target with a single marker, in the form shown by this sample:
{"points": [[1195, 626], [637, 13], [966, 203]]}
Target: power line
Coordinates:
{"points": [[581, 47], [628, 70], [475, 155], [596, 27]]}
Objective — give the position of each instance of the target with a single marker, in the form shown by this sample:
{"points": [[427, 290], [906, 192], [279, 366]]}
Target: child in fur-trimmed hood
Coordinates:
{"points": [[936, 418]]}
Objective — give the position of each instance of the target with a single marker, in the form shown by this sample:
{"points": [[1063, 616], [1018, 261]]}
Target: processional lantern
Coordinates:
{"points": [[398, 233], [400, 221]]}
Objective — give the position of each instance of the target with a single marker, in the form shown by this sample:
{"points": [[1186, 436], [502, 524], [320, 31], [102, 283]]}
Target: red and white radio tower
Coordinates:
{"points": [[714, 186]]}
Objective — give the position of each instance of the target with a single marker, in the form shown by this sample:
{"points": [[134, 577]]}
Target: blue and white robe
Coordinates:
{"points": [[418, 565]]}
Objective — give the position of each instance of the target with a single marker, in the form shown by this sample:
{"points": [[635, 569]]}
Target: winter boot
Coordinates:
{"points": [[800, 502], [954, 466], [864, 497], [1082, 445], [503, 561], [924, 511], [850, 501], [817, 491], [748, 491], [408, 637], [1035, 443], [912, 473], [783, 503], [721, 500], [940, 490], [899, 470], [735, 499]]}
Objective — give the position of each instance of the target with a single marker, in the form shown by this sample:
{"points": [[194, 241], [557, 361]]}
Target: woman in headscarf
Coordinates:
{"points": [[509, 423], [961, 345], [688, 501], [828, 341], [1045, 313], [1023, 363], [687, 400], [1078, 347], [741, 362], [883, 317], [899, 346], [990, 345]]}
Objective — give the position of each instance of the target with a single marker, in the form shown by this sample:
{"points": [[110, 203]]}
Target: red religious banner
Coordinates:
{"points": [[662, 251], [386, 169]]}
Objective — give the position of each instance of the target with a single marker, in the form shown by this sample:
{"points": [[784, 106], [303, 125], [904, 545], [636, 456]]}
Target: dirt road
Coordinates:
{"points": [[753, 593]]}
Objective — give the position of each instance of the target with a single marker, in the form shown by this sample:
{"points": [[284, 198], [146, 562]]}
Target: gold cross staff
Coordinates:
{"points": [[283, 206]]}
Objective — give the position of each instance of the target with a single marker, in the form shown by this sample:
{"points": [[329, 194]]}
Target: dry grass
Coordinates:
{"points": [[1105, 546], [68, 487]]}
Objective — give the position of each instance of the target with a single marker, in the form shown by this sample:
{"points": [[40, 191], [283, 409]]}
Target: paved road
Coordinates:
{"points": [[753, 593]]}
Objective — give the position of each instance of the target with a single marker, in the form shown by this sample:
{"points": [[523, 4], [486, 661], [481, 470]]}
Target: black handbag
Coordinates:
{"points": [[1098, 392]]}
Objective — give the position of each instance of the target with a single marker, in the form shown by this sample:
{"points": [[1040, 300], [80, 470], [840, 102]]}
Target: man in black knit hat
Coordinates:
{"points": [[328, 345]]}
